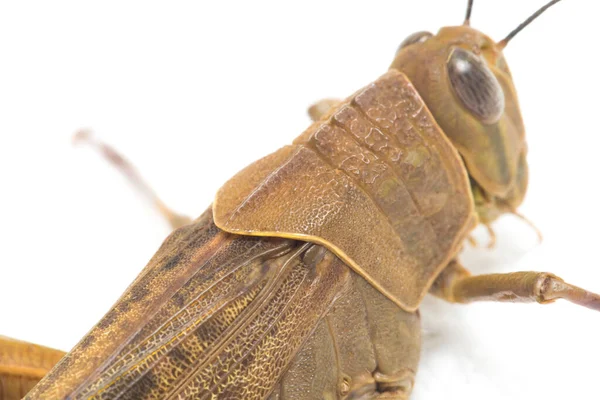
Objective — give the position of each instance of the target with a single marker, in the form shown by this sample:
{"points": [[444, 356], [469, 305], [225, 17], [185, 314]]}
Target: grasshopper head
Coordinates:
{"points": [[465, 81]]}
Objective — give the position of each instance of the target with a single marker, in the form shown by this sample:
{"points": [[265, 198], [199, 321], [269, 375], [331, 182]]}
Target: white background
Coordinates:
{"points": [[192, 93]]}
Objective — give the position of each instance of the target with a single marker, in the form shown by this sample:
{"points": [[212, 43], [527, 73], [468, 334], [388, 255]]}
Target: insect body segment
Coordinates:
{"points": [[365, 348], [378, 184], [465, 82]]}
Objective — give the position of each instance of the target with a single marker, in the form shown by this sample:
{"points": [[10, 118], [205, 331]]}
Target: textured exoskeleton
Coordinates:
{"points": [[234, 313], [304, 278], [380, 165]]}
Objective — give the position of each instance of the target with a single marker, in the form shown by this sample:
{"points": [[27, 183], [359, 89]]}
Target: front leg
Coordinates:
{"points": [[322, 108], [455, 284]]}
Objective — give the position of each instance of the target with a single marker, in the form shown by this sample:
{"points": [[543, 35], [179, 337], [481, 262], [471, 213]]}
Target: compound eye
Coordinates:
{"points": [[417, 37], [475, 85]]}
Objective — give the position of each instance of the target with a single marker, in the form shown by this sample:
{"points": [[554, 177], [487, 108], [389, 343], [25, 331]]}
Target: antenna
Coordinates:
{"points": [[502, 44], [468, 16]]}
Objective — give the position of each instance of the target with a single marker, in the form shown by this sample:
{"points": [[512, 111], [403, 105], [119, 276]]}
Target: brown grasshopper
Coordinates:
{"points": [[332, 341]]}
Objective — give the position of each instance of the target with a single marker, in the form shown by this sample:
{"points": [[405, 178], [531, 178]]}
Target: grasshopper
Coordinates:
{"points": [[351, 381]]}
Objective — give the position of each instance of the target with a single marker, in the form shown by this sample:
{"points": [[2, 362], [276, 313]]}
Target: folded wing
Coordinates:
{"points": [[211, 314]]}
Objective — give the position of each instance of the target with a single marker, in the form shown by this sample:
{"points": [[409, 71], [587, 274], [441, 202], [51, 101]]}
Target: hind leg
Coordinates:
{"points": [[176, 220], [23, 365]]}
